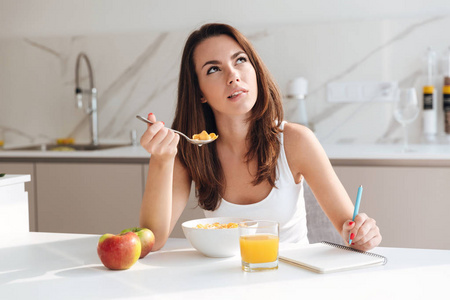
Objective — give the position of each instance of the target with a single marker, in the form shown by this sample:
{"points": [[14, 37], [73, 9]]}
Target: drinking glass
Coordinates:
{"points": [[406, 110], [259, 242]]}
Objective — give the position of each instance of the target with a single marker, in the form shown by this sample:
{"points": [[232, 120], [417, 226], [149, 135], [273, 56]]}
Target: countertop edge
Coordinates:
{"points": [[65, 159], [14, 179], [339, 155], [383, 162]]}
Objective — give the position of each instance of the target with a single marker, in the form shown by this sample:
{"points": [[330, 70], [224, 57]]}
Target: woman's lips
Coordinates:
{"points": [[237, 93], [236, 97]]}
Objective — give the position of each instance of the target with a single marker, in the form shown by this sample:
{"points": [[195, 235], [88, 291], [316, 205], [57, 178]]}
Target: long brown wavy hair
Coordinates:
{"points": [[192, 117]]}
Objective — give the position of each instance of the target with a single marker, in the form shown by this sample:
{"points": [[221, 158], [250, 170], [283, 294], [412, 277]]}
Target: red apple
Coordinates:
{"points": [[119, 252], [147, 239]]}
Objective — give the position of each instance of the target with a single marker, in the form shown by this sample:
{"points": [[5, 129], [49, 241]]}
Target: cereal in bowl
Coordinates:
{"points": [[217, 226]]}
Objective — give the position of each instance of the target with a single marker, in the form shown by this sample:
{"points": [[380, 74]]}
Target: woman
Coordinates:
{"points": [[256, 168]]}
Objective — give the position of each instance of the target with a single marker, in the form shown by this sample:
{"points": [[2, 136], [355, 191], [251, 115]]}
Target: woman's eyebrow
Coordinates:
{"points": [[211, 62], [216, 62], [237, 54]]}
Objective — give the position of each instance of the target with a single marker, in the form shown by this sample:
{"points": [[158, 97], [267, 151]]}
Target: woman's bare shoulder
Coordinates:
{"points": [[301, 146], [296, 135]]}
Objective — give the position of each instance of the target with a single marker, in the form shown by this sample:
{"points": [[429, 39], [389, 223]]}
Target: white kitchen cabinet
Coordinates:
{"points": [[410, 204], [88, 197], [24, 168], [14, 203]]}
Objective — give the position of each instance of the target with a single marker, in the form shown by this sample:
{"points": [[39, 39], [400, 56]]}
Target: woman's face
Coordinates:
{"points": [[226, 77]]}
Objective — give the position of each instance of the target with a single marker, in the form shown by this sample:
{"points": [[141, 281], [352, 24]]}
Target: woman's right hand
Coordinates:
{"points": [[159, 141]]}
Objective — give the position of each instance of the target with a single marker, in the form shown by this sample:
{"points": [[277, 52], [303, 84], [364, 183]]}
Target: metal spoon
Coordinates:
{"points": [[192, 141]]}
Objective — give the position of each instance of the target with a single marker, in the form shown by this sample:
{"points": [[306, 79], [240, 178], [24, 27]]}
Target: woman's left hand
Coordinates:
{"points": [[364, 232]]}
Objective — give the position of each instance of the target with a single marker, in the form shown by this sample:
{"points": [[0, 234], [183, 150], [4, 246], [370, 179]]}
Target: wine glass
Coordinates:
{"points": [[406, 110]]}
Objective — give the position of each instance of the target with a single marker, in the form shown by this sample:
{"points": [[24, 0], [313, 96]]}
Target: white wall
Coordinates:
{"points": [[135, 50], [74, 17]]}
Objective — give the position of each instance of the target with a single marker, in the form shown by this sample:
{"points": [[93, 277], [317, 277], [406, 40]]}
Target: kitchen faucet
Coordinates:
{"points": [[92, 108]]}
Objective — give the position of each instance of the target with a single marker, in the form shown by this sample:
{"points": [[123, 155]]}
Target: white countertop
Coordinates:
{"points": [[437, 155], [13, 179], [62, 266], [387, 151], [422, 154], [120, 153]]}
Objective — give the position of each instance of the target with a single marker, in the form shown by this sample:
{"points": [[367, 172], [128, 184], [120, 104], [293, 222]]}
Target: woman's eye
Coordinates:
{"points": [[212, 70], [241, 60]]}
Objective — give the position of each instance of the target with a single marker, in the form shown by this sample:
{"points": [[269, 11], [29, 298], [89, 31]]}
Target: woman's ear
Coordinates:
{"points": [[203, 100]]}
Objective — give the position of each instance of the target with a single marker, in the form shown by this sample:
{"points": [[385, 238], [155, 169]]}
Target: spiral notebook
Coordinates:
{"points": [[326, 257]]}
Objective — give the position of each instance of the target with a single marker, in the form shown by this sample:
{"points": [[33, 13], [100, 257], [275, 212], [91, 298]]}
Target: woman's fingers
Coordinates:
{"points": [[346, 228], [362, 239], [175, 140], [365, 235], [151, 117], [369, 244], [360, 219], [364, 229], [159, 140], [150, 133], [349, 225], [164, 139]]}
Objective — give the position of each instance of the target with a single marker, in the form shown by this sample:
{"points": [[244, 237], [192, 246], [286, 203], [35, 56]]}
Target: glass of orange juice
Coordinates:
{"points": [[259, 241]]}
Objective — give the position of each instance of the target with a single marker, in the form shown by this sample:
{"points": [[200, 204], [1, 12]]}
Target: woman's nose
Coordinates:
{"points": [[234, 77]]}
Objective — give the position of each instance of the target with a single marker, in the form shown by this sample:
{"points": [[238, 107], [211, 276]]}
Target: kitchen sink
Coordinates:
{"points": [[75, 147]]}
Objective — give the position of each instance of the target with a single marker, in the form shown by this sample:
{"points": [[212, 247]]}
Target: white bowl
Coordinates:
{"points": [[213, 242]]}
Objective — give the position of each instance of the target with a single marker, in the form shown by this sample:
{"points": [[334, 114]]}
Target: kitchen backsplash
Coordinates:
{"points": [[137, 74]]}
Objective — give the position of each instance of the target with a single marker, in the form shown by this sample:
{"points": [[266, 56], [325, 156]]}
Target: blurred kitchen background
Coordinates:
{"points": [[352, 55], [135, 48]]}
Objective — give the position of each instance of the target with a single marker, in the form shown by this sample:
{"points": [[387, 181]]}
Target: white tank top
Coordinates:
{"points": [[284, 204]]}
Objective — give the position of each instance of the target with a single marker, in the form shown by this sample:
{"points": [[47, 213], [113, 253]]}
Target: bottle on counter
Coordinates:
{"points": [[446, 93], [430, 99], [2, 141]]}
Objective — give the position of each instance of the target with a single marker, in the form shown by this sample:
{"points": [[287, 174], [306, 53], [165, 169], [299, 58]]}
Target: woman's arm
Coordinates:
{"points": [[168, 184], [307, 158]]}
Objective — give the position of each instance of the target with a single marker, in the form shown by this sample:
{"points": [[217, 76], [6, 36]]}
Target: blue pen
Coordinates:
{"points": [[356, 211]]}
